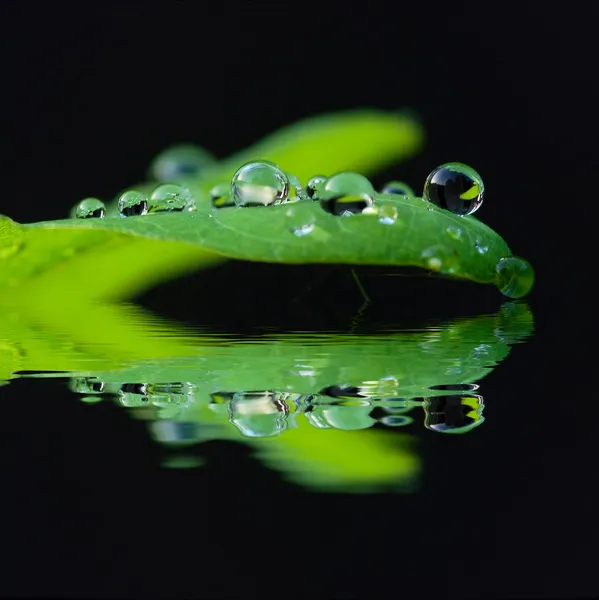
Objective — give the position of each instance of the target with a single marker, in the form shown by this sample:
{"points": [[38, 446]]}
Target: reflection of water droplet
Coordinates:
{"points": [[440, 259], [514, 277], [397, 187], [454, 232], [259, 183], [132, 204], [315, 185], [480, 248], [90, 208], [455, 187], [461, 387], [348, 418], [180, 161], [345, 205], [258, 413], [220, 195], [86, 385], [396, 421], [453, 414], [342, 391], [387, 214], [91, 399], [170, 197], [300, 219]]}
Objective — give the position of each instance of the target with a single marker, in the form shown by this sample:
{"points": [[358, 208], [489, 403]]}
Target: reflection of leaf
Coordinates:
{"points": [[93, 261]]}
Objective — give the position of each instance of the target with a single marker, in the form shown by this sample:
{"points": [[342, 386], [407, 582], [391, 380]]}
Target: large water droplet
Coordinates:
{"points": [[514, 277], [387, 214], [455, 187], [440, 259], [454, 414], [220, 195], [349, 182], [397, 187], [300, 219], [133, 203], [345, 205], [180, 161], [170, 197], [90, 208], [259, 183], [315, 185]]}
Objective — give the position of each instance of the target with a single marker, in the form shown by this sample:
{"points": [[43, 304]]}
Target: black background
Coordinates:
{"points": [[91, 93]]}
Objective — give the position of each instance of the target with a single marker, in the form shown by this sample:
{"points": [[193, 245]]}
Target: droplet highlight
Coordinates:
{"points": [[90, 208], [133, 204], [455, 187], [514, 277], [259, 183]]}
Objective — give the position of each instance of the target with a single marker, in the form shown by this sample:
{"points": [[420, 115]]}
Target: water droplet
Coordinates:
{"points": [[258, 414], [387, 214], [259, 183], [133, 203], [86, 385], [397, 187], [461, 387], [296, 189], [454, 414], [349, 182], [180, 161], [396, 421], [454, 232], [170, 197], [345, 205], [300, 219], [90, 208], [514, 277], [480, 248], [440, 259], [315, 185], [455, 187], [348, 418], [220, 195]]}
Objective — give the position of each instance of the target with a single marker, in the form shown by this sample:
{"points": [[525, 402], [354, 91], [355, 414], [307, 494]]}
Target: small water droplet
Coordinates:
{"points": [[170, 197], [345, 205], [480, 247], [454, 232], [315, 185], [296, 188], [453, 414], [440, 259], [387, 214], [220, 195], [455, 187], [259, 183], [90, 208], [180, 161], [514, 277], [396, 421], [348, 182], [300, 219], [397, 187], [133, 203]]}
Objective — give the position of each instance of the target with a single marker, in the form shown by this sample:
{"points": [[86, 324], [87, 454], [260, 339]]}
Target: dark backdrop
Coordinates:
{"points": [[91, 93]]}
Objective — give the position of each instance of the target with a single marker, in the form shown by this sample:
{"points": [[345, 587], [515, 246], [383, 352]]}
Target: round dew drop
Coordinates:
{"points": [[514, 277], [387, 214], [220, 195], [90, 208], [455, 187], [259, 183], [180, 161], [345, 205], [170, 197], [440, 259], [348, 182], [397, 187], [132, 204], [315, 186], [300, 219]]}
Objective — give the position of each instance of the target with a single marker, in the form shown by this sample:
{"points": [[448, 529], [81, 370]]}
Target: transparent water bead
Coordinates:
{"points": [[180, 161], [315, 186], [296, 189], [514, 277], [220, 195], [455, 187], [258, 413], [387, 214], [90, 208], [259, 183], [345, 205], [300, 219], [397, 187], [440, 259], [132, 204], [348, 182], [454, 414], [454, 232], [170, 197]]}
